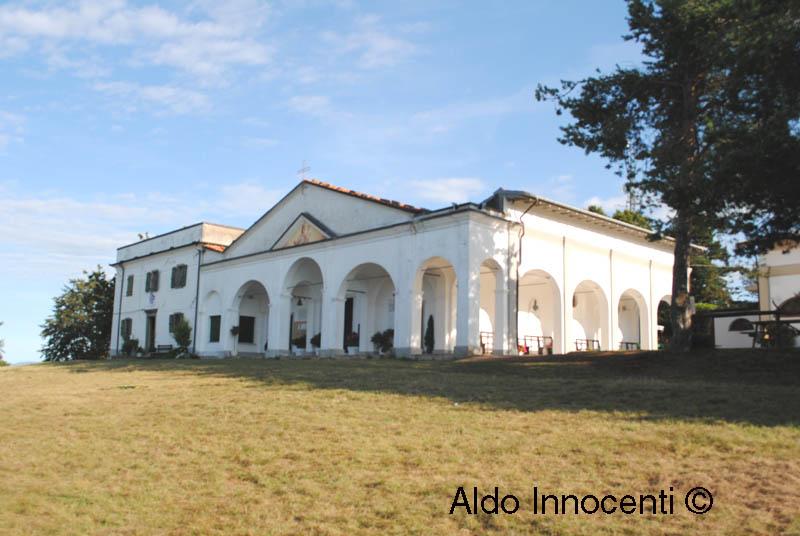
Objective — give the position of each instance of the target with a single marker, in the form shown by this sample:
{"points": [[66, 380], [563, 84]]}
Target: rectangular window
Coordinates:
{"points": [[151, 281], [179, 276], [216, 322], [247, 329], [127, 328], [129, 290], [174, 319]]}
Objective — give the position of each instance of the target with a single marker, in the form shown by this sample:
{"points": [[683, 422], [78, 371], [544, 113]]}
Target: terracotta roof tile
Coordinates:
{"points": [[368, 197], [215, 247]]}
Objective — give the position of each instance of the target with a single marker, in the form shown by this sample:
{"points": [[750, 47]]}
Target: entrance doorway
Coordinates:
{"points": [[150, 332], [348, 321]]}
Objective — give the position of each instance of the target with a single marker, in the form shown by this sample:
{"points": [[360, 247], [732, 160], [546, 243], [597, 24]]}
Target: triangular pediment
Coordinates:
{"points": [[343, 212], [305, 229]]}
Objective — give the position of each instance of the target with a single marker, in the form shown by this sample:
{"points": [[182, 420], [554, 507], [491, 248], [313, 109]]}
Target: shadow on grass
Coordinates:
{"points": [[756, 387]]}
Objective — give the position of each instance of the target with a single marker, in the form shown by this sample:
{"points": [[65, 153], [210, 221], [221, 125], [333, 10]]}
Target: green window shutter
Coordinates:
{"points": [[148, 281], [127, 328], [129, 290], [154, 282], [216, 321], [184, 273], [172, 280]]}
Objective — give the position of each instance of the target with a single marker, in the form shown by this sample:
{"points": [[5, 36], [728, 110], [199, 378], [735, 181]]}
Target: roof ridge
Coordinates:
{"points": [[368, 197]]}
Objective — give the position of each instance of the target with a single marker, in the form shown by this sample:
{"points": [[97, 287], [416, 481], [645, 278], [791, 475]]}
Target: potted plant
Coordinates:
{"points": [[315, 342], [234, 330], [299, 345], [383, 341], [351, 342]]}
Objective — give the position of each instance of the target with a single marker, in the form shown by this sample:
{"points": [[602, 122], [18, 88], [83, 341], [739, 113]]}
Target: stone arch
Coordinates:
{"points": [[539, 313], [303, 285], [589, 316], [367, 297], [434, 296], [251, 305], [632, 321], [491, 316]]}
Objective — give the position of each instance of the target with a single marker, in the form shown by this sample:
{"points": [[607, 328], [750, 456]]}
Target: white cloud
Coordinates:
{"points": [[217, 38], [445, 118], [60, 235], [248, 198], [558, 188], [318, 106], [372, 43], [609, 204], [168, 98], [449, 189], [11, 128]]}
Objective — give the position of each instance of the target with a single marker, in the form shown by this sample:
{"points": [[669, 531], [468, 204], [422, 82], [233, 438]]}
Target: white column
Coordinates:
{"points": [[332, 324], [566, 302], [406, 316], [229, 342], [501, 345], [469, 305], [278, 331]]}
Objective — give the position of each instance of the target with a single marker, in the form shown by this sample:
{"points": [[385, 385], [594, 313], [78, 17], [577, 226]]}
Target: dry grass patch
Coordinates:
{"points": [[380, 446]]}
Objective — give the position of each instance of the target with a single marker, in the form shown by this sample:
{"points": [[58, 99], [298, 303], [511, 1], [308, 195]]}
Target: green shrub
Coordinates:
{"points": [[429, 340], [383, 340], [182, 333], [316, 340], [130, 347]]}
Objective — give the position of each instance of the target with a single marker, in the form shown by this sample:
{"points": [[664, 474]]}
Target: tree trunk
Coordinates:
{"points": [[680, 310]]}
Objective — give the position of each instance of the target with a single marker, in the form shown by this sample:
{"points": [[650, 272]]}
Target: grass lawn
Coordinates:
{"points": [[380, 446]]}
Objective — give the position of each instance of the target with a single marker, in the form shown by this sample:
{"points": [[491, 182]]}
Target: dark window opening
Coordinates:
{"points": [[178, 279], [174, 320], [247, 329], [216, 322]]}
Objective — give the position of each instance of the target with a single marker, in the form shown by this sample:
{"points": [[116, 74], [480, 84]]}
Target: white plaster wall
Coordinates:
{"points": [[724, 338], [166, 300]]}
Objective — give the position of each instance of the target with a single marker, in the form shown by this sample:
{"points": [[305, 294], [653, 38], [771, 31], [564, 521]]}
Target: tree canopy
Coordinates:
{"points": [[708, 125], [80, 327]]}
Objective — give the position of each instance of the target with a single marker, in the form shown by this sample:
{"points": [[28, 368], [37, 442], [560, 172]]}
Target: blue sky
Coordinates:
{"points": [[120, 117]]}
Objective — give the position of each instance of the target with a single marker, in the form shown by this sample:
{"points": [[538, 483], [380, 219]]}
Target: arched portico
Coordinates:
{"points": [[632, 329], [492, 323], [590, 311], [251, 309], [302, 292], [434, 305], [367, 298], [539, 313]]}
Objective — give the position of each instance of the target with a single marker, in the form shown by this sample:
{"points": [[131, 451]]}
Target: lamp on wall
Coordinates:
{"points": [[299, 301], [535, 306], [574, 300]]}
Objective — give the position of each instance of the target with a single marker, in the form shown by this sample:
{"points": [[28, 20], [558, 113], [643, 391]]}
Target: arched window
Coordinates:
{"points": [[741, 324]]}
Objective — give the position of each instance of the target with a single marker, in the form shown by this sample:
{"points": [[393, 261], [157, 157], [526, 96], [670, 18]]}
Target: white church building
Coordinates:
{"points": [[326, 268]]}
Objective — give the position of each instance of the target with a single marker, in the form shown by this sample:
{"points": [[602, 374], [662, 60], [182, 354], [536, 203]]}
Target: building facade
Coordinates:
{"points": [[326, 268]]}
